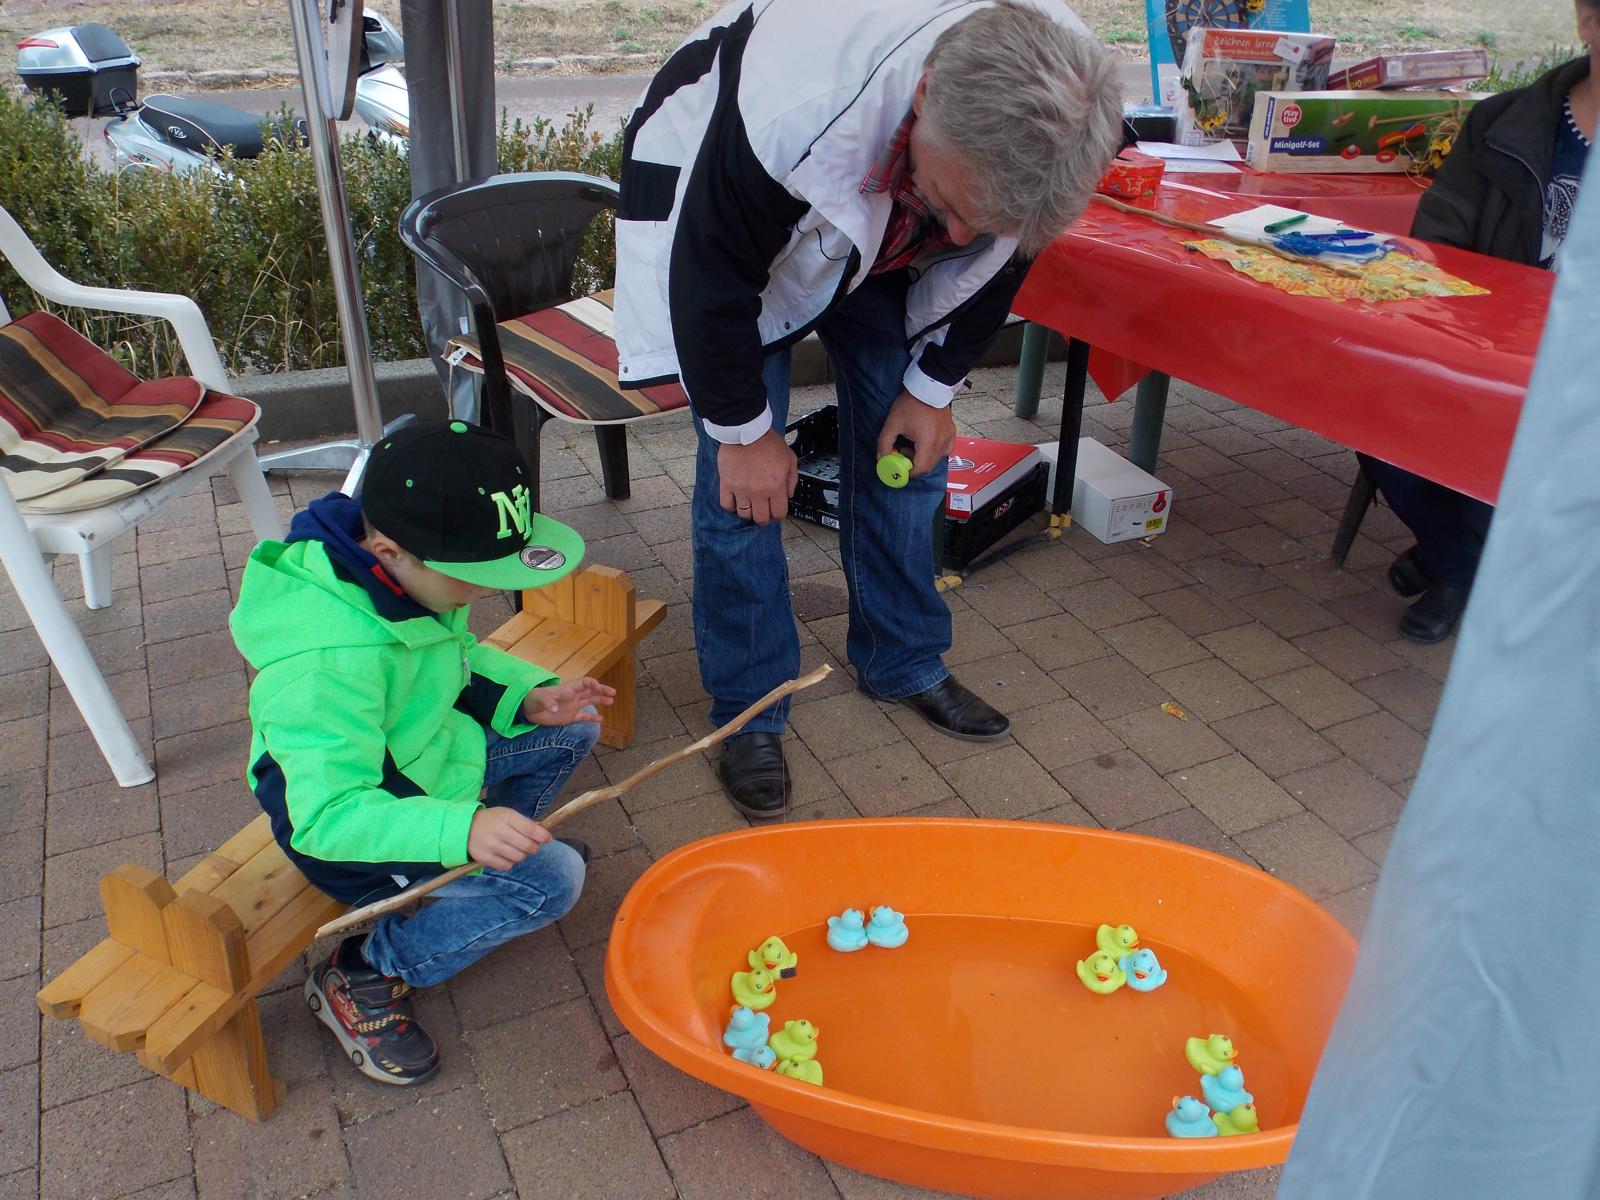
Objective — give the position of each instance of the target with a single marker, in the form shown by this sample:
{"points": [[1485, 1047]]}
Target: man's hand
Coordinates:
{"points": [[758, 479], [503, 837], [932, 429], [563, 703]]}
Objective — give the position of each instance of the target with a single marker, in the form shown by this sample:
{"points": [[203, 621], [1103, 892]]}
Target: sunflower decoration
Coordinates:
{"points": [[1255, 7], [1209, 108]]}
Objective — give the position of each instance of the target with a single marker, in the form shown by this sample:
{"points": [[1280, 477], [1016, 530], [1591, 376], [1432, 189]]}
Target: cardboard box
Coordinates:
{"points": [[1424, 68], [1224, 69], [992, 488], [1132, 176], [1362, 132], [1113, 500]]}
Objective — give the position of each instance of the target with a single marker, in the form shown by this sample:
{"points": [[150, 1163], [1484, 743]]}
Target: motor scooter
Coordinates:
{"points": [[92, 72]]}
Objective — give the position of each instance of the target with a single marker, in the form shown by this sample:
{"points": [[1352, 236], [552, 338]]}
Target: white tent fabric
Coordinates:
{"points": [[1466, 1056]]}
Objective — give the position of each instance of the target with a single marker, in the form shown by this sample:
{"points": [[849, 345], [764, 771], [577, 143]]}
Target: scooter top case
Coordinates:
{"points": [[205, 126], [89, 69]]}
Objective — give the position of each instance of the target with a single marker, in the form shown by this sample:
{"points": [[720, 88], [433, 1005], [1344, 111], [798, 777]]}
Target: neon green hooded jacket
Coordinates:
{"points": [[368, 712]]}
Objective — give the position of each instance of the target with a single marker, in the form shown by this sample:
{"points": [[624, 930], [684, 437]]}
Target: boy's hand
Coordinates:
{"points": [[563, 703], [503, 837]]}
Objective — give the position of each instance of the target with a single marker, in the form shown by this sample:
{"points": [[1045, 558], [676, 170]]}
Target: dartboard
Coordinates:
{"points": [[1183, 14]]}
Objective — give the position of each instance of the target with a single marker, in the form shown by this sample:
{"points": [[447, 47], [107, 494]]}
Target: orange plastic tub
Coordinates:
{"points": [[971, 1059]]}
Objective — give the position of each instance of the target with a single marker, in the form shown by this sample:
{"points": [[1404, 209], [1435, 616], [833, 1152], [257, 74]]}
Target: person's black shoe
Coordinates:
{"points": [[1406, 575], [754, 774], [370, 1016], [952, 709], [1432, 618]]}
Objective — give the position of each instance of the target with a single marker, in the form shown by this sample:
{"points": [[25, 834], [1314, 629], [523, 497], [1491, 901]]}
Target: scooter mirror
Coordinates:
{"points": [[342, 34]]}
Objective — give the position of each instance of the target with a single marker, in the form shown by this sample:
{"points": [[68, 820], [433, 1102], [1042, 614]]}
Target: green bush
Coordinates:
{"points": [[248, 246], [1503, 75]]}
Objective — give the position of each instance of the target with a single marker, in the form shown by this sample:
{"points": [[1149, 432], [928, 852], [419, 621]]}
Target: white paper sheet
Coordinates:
{"points": [[1213, 152]]}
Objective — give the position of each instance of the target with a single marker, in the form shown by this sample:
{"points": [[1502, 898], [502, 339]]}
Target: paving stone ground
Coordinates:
{"points": [[1307, 720]]}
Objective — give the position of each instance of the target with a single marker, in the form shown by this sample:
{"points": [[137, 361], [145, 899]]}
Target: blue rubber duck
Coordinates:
{"points": [[1144, 973], [761, 1057], [1189, 1119], [746, 1028], [1224, 1091], [887, 928], [846, 932]]}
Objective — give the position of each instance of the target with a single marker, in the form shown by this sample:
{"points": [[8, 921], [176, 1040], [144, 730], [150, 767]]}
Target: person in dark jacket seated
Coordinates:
{"points": [[1507, 189]]}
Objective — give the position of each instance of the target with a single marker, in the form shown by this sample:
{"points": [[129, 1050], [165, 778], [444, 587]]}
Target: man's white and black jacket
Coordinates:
{"points": [[742, 219]]}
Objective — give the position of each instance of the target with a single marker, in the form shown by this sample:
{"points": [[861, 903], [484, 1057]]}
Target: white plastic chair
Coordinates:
{"points": [[25, 538]]}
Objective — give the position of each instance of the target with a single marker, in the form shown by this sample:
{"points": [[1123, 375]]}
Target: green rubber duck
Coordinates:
{"points": [[809, 1071], [1208, 1055], [755, 989], [796, 1041], [775, 957], [1241, 1120], [1117, 940], [1100, 973]]}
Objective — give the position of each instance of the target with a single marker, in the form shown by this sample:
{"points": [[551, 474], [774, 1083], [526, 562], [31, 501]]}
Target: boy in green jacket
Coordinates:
{"points": [[378, 721]]}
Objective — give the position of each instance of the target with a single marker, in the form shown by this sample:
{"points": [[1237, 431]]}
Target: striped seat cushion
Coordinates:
{"points": [[565, 358], [77, 430]]}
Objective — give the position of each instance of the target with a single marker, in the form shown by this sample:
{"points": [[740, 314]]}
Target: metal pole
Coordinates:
{"points": [[458, 100], [1030, 369], [304, 17]]}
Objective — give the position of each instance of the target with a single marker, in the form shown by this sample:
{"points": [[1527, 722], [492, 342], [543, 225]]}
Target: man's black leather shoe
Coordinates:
{"points": [[754, 774], [1406, 575], [952, 709], [1432, 618]]}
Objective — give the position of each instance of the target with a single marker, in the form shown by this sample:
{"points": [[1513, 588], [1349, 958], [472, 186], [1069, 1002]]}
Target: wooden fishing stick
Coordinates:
{"points": [[573, 807], [1227, 235]]}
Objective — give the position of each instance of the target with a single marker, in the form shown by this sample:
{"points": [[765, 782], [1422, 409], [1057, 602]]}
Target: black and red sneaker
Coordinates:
{"points": [[370, 1014]]}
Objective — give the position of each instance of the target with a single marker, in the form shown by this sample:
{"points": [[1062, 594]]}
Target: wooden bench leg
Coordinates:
{"points": [[232, 1067], [618, 722]]}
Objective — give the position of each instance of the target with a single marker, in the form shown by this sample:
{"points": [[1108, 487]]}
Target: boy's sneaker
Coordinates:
{"points": [[370, 1014]]}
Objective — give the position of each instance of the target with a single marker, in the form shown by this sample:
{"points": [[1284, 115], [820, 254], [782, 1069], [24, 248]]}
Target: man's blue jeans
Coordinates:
{"points": [[464, 920], [899, 626]]}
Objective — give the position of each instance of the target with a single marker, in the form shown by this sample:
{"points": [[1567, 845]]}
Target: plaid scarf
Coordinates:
{"points": [[912, 229]]}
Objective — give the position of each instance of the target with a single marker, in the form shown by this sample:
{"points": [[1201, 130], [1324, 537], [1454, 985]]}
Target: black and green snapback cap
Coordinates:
{"points": [[458, 497]]}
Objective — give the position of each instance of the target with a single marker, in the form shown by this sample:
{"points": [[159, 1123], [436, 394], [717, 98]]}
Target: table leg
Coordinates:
{"points": [[1030, 369], [1149, 414], [1071, 425]]}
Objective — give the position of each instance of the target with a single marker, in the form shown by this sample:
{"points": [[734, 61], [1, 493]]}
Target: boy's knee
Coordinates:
{"points": [[558, 873]]}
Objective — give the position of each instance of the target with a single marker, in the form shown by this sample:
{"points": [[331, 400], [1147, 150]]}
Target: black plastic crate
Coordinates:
{"points": [[815, 441]]}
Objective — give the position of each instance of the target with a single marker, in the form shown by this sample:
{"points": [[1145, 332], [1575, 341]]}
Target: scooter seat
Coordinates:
{"points": [[206, 126]]}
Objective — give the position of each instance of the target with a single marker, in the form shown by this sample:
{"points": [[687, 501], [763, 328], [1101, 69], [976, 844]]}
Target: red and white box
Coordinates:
{"points": [[1132, 176], [980, 470]]}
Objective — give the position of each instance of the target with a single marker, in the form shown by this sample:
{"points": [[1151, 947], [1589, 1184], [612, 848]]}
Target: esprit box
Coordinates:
{"points": [[1112, 499], [1365, 132], [1423, 68], [1224, 69]]}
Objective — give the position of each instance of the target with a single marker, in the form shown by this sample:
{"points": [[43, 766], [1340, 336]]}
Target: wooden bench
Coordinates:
{"points": [[176, 979], [587, 624]]}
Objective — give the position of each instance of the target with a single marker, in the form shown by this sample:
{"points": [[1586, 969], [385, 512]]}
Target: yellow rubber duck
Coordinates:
{"points": [[796, 1041], [809, 1071], [1117, 940], [1241, 1120], [1208, 1055], [755, 989], [775, 957], [1100, 973]]}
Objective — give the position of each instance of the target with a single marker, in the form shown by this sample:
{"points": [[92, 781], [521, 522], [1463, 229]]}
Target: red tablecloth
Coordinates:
{"points": [[1433, 385]]}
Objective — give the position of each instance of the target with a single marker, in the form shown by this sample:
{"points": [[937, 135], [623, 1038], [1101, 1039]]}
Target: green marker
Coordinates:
{"points": [[1286, 223]]}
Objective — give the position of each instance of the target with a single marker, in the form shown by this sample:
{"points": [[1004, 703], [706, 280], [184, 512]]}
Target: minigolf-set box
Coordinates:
{"points": [[1355, 132]]}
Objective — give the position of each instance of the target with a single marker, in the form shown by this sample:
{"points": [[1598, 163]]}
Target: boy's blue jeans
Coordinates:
{"points": [[464, 920], [899, 626]]}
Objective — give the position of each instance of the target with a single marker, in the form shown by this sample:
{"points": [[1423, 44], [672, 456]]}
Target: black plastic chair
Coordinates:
{"points": [[510, 243]]}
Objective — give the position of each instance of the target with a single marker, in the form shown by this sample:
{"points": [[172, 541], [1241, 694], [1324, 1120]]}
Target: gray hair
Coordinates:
{"points": [[1034, 109]]}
